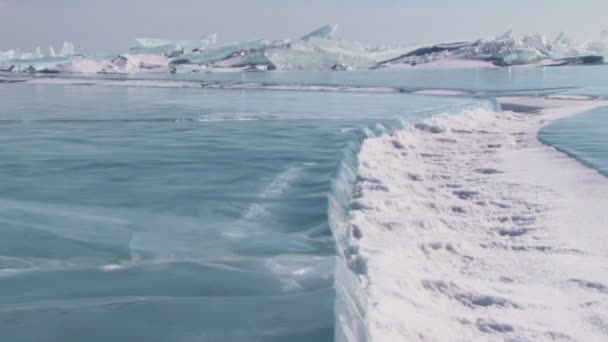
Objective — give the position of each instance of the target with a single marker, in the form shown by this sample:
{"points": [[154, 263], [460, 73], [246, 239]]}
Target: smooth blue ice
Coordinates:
{"points": [[177, 214], [583, 136], [150, 214]]}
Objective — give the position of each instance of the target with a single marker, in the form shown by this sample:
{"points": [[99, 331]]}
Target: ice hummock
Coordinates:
{"points": [[173, 47], [504, 50], [322, 32], [317, 50], [33, 62]]}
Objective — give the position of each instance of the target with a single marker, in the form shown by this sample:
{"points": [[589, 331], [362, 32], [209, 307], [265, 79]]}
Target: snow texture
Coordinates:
{"points": [[466, 228]]}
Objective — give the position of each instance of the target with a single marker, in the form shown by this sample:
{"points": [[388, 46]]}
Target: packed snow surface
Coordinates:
{"points": [[317, 50], [466, 228]]}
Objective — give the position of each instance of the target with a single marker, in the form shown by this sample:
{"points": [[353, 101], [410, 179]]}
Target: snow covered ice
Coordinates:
{"points": [[455, 238]]}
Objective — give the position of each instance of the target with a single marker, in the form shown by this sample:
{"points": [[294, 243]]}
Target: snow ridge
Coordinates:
{"points": [[460, 228]]}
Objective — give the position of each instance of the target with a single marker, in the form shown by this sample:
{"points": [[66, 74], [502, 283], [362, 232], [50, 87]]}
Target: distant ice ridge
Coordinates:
{"points": [[448, 236], [317, 50], [508, 50]]}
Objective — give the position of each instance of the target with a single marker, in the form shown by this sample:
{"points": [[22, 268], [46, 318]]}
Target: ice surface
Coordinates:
{"points": [[221, 52]]}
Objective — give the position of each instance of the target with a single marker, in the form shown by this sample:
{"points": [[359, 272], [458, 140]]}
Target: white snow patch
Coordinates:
{"points": [[467, 228]]}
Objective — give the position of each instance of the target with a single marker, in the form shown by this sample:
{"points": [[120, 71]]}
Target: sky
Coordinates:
{"points": [[96, 26]]}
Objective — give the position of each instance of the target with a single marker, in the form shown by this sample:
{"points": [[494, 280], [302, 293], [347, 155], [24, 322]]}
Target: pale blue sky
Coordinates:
{"points": [[112, 25]]}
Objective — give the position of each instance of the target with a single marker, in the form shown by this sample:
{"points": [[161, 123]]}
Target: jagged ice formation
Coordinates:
{"points": [[317, 50]]}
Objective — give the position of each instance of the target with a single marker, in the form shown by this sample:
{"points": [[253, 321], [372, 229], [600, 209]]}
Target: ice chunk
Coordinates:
{"points": [[599, 47], [221, 52], [7, 55], [128, 63], [380, 54], [537, 42], [156, 45], [518, 58], [67, 50], [168, 50], [318, 54], [209, 40], [316, 50], [504, 50], [323, 32], [338, 46], [422, 54], [255, 60], [156, 42], [563, 46], [562, 39], [35, 65], [16, 54], [148, 61], [505, 36], [341, 67]]}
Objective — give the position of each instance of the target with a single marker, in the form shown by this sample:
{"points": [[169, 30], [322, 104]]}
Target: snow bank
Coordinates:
{"points": [[465, 227]]}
